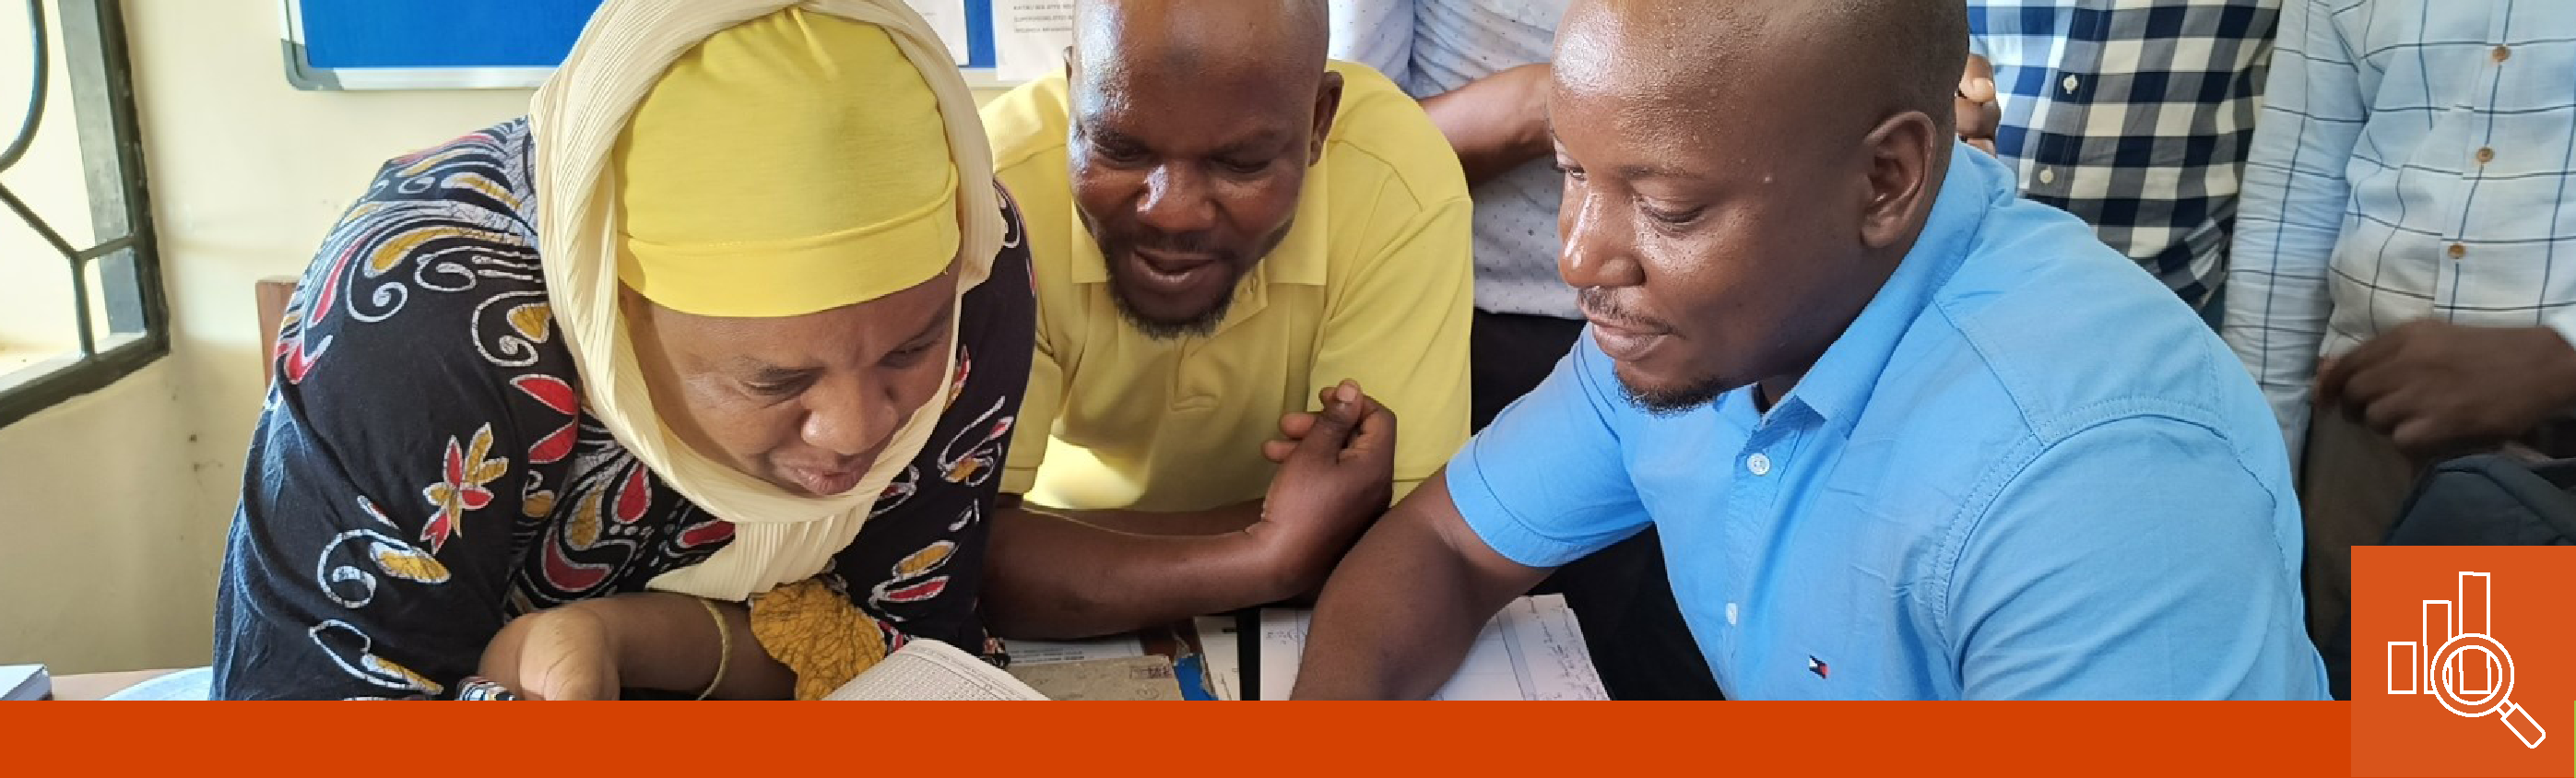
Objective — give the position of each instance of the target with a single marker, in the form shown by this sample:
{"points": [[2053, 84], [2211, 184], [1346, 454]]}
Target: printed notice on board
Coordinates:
{"points": [[1029, 37], [948, 19]]}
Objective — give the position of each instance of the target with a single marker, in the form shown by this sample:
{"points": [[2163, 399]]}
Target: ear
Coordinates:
{"points": [[1905, 154], [1072, 65], [1328, 102]]}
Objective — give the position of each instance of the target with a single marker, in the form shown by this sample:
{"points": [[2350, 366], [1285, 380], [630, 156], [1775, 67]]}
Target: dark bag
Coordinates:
{"points": [[2491, 500], [2482, 500]]}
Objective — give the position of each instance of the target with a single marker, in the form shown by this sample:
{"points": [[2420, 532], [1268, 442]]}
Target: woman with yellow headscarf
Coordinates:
{"points": [[693, 383]]}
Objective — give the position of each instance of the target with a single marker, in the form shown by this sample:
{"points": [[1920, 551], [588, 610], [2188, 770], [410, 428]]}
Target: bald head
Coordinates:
{"points": [[1274, 38], [1872, 58]]}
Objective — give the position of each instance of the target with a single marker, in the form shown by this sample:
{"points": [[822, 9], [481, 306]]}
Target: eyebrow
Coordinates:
{"points": [[938, 319], [1632, 172], [1264, 140], [763, 372], [1649, 172]]}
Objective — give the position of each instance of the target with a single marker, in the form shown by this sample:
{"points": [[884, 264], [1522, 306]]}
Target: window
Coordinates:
{"points": [[80, 283]]}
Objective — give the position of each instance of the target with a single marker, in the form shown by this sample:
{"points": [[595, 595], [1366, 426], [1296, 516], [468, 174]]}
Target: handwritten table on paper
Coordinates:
{"points": [[1532, 650]]}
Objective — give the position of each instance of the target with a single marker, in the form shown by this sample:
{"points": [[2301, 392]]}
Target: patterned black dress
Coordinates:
{"points": [[424, 468]]}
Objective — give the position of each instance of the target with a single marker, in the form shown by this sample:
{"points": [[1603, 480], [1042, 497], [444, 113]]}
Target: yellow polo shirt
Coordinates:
{"points": [[1373, 284]]}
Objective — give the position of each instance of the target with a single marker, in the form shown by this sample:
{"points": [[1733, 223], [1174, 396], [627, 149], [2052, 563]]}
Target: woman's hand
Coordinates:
{"points": [[567, 653]]}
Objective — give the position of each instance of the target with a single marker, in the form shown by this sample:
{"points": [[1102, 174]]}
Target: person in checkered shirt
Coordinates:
{"points": [[2405, 289], [2134, 115]]}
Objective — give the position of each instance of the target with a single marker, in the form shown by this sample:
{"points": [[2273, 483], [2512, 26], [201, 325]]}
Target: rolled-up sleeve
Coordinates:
{"points": [[2292, 212], [1546, 483]]}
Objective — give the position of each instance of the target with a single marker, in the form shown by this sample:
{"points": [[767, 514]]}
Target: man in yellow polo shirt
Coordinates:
{"points": [[1227, 230]]}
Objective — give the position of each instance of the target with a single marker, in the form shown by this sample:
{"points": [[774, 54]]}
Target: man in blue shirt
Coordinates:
{"points": [[1480, 69], [1904, 435]]}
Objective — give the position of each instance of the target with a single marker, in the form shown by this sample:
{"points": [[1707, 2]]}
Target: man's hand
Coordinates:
{"points": [[2440, 389], [1977, 113], [1336, 476], [567, 653]]}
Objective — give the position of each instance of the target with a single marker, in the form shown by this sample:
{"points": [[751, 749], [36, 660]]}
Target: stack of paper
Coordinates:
{"points": [[1038, 652], [1220, 650], [1133, 678], [1532, 650], [25, 682], [1114, 668]]}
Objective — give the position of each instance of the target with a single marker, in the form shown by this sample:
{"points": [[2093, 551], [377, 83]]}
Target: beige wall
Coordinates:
{"points": [[103, 566], [36, 304], [116, 504]]}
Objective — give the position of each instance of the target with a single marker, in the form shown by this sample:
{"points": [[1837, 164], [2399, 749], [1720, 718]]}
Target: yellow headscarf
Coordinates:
{"points": [[783, 166], [791, 164]]}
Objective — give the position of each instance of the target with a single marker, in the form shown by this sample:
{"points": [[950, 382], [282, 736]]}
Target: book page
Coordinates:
{"points": [[1219, 648], [1532, 650], [926, 669]]}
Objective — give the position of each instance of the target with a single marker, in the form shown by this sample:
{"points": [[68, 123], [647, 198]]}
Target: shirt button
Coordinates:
{"points": [[1759, 463], [2503, 53], [2458, 251], [2070, 84], [1730, 614], [2486, 155], [2048, 175]]}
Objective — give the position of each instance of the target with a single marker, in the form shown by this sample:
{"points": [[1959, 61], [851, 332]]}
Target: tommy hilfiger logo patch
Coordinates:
{"points": [[1818, 667]]}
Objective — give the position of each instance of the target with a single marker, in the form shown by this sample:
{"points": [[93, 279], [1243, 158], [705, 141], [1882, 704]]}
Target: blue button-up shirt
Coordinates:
{"points": [[2026, 470]]}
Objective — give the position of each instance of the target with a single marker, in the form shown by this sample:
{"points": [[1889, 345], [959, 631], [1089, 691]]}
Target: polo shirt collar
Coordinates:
{"points": [[1840, 384]]}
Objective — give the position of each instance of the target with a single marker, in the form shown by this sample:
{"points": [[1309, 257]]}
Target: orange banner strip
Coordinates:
{"points": [[2275, 739]]}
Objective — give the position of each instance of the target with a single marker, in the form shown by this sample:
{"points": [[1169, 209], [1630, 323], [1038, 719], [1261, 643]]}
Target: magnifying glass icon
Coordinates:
{"points": [[2497, 700]]}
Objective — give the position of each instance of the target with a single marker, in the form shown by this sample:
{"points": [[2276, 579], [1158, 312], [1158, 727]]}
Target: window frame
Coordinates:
{"points": [[100, 76]]}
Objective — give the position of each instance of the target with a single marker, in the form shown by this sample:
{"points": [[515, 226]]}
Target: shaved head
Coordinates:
{"points": [[1280, 38], [1872, 57], [1193, 124], [1743, 177]]}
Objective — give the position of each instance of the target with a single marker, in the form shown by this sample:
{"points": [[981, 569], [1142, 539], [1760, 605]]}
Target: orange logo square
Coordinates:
{"points": [[2463, 660]]}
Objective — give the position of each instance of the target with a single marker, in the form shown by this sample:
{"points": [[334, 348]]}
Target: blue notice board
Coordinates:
{"points": [[472, 44]]}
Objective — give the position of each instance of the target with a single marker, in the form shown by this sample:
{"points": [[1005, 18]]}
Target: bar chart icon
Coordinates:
{"points": [[2455, 660]]}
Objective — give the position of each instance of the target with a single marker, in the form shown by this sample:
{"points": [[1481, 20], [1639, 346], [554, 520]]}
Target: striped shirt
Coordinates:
{"points": [[2134, 115], [1431, 47], [2413, 162]]}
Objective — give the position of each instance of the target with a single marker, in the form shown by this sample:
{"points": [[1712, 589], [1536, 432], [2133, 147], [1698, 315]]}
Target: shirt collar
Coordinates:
{"points": [[1839, 385]]}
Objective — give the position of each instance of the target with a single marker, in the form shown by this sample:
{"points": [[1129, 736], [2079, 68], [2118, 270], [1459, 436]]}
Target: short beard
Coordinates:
{"points": [[1201, 325], [1675, 402]]}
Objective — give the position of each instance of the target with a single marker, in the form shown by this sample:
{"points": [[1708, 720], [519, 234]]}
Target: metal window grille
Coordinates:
{"points": [[123, 322]]}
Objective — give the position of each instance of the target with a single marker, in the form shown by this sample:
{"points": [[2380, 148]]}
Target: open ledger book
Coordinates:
{"points": [[1532, 650], [931, 670]]}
